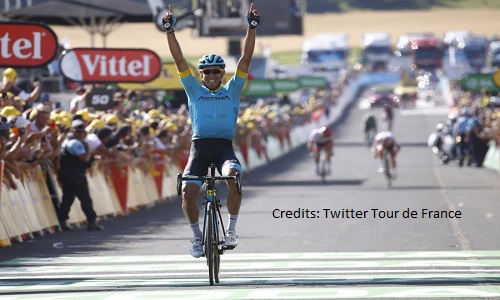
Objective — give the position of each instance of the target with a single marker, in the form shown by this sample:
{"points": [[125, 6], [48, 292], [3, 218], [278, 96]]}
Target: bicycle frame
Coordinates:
{"points": [[213, 226]]}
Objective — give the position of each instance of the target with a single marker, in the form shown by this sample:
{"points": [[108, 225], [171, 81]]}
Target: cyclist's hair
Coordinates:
{"points": [[210, 60]]}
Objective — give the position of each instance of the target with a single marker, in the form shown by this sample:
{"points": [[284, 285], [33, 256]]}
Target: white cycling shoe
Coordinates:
{"points": [[231, 239], [197, 248]]}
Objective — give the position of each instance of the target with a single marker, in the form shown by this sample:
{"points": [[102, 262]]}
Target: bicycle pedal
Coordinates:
{"points": [[228, 247]]}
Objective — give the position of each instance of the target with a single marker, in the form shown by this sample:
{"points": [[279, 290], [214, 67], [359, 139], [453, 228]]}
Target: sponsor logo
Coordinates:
{"points": [[26, 44], [110, 65]]}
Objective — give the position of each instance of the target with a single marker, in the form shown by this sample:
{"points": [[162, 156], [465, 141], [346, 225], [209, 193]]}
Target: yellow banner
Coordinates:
{"points": [[167, 80]]}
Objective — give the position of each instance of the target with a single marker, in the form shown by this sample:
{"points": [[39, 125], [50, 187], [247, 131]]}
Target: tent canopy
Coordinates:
{"points": [[95, 16]]}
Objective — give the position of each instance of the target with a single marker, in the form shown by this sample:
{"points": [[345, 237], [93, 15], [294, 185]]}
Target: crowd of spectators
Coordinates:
{"points": [[134, 131], [477, 121]]}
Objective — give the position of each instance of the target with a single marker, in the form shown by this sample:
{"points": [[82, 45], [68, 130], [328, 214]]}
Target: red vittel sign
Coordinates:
{"points": [[26, 44], [110, 65]]}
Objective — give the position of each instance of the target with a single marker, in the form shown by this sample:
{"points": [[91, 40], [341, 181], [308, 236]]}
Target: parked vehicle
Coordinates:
{"points": [[330, 49], [376, 50], [380, 96], [403, 45], [427, 52], [476, 48]]}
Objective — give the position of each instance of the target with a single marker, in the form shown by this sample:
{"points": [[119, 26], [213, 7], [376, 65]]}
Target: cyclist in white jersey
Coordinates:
{"points": [[213, 108]]}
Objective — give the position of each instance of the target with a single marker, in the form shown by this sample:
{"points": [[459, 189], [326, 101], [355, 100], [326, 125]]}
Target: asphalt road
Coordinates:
{"points": [[145, 240]]}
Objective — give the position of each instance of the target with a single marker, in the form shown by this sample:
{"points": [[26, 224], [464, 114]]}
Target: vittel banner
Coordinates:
{"points": [[26, 44], [110, 65]]}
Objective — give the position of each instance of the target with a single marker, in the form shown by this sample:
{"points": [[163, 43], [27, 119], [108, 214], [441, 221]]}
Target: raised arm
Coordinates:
{"points": [[253, 19], [175, 49]]}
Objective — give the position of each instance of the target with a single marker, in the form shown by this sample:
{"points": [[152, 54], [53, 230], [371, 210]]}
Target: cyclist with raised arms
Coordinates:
{"points": [[321, 139], [385, 140], [213, 108]]}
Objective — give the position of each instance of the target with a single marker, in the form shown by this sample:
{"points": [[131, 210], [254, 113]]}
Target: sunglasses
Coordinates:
{"points": [[211, 71], [80, 131]]}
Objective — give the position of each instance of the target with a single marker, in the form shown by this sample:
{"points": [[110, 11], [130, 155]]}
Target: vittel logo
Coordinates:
{"points": [[26, 44], [110, 65]]}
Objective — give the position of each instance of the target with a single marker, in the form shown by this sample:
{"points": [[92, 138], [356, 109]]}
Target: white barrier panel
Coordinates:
{"points": [[25, 199], [46, 199], [273, 147], [254, 160], [112, 193], [149, 188], [18, 211], [8, 216], [99, 192], [492, 159], [169, 183], [133, 199], [36, 199]]}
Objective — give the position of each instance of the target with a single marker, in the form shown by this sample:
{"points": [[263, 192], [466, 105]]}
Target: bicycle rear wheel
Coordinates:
{"points": [[209, 242]]}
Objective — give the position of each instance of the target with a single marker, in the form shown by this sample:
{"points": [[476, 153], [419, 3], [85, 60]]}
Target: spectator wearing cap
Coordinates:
{"points": [[8, 85], [112, 121], [79, 101], [75, 159], [15, 118], [40, 124]]}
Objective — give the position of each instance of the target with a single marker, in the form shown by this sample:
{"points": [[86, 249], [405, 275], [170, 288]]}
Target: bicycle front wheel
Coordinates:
{"points": [[216, 235], [209, 242]]}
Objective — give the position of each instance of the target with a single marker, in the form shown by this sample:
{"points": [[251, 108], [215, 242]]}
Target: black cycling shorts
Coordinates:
{"points": [[207, 151]]}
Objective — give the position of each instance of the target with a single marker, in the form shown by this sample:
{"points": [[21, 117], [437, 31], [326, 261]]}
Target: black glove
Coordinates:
{"points": [[169, 22], [253, 20]]}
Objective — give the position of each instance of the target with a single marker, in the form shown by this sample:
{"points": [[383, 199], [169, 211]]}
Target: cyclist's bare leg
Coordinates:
{"points": [[190, 208], [233, 201], [233, 197], [393, 161], [316, 155], [329, 154]]}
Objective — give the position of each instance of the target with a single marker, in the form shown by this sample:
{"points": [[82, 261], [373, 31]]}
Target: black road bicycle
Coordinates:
{"points": [[213, 228]]}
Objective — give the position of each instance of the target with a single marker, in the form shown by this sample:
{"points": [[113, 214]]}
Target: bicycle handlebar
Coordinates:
{"points": [[207, 177]]}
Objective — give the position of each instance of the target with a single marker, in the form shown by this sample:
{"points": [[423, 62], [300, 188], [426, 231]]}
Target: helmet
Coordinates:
{"points": [[326, 131], [209, 60]]}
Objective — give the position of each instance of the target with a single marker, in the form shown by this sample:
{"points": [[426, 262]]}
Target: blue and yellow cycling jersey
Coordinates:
{"points": [[213, 113]]}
